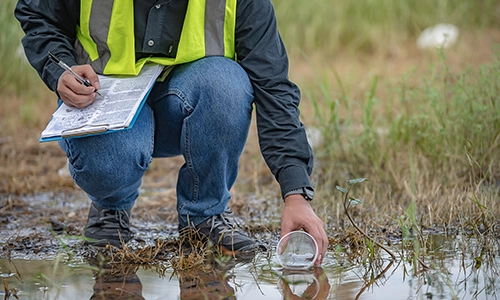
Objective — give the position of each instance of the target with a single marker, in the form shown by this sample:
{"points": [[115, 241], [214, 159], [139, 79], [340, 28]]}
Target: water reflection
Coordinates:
{"points": [[212, 283], [217, 283], [462, 268], [121, 282], [304, 285], [205, 284], [116, 283]]}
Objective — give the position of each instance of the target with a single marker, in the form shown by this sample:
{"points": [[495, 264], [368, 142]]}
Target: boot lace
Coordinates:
{"points": [[114, 219]]}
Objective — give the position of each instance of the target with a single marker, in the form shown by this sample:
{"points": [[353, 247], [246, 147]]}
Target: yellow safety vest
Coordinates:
{"points": [[208, 30]]}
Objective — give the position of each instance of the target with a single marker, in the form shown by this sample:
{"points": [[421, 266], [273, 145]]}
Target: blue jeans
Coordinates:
{"points": [[202, 112]]}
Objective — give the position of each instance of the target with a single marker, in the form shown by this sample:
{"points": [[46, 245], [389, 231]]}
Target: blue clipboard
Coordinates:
{"points": [[103, 128]]}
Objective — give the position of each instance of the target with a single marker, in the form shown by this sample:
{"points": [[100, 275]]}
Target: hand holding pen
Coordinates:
{"points": [[80, 92]]}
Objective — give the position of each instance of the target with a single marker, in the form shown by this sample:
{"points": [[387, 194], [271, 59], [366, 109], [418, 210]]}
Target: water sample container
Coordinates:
{"points": [[297, 250]]}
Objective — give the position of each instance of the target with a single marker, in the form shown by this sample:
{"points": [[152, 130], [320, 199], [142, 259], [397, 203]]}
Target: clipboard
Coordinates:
{"points": [[56, 130]]}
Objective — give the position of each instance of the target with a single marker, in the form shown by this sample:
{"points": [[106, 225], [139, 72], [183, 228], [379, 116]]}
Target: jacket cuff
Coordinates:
{"points": [[293, 177], [53, 71]]}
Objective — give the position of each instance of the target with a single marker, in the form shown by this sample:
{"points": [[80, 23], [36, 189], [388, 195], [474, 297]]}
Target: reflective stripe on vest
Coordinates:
{"points": [[106, 35]]}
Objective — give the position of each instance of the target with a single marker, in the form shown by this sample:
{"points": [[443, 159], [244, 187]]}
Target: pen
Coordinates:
{"points": [[83, 81]]}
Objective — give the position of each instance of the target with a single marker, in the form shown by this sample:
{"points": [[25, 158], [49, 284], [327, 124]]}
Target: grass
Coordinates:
{"points": [[427, 138], [13, 76], [24, 100], [372, 26]]}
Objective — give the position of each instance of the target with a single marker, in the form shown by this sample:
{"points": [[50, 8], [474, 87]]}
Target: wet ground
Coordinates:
{"points": [[43, 257]]}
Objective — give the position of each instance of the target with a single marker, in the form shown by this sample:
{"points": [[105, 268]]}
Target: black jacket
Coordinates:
{"points": [[50, 26]]}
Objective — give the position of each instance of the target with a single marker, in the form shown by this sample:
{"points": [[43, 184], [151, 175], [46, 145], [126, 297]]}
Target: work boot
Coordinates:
{"points": [[219, 230], [107, 226]]}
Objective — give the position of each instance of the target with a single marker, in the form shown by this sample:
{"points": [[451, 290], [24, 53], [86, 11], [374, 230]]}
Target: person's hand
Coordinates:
{"points": [[72, 92], [313, 291], [298, 214]]}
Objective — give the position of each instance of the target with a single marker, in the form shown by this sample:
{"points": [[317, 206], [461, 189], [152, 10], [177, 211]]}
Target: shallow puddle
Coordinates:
{"points": [[461, 268]]}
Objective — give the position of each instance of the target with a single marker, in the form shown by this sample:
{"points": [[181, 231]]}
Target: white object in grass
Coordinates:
{"points": [[440, 35]]}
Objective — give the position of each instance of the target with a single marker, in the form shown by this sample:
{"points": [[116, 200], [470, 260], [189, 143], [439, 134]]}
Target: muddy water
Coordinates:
{"points": [[461, 268]]}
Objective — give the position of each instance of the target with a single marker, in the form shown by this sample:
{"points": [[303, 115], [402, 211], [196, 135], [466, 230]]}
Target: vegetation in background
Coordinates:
{"points": [[369, 26], [24, 99], [16, 75]]}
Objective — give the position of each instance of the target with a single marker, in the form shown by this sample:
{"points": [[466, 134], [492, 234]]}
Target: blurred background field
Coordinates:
{"points": [[422, 124]]}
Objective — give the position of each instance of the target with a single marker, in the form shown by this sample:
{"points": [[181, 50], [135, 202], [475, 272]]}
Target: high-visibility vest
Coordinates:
{"points": [[208, 30]]}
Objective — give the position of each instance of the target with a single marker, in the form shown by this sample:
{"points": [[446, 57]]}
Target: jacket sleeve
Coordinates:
{"points": [[282, 137], [49, 25]]}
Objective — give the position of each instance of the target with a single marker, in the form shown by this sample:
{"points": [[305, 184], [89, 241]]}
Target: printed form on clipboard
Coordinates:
{"points": [[123, 98]]}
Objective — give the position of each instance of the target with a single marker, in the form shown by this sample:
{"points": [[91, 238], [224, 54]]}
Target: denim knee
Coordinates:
{"points": [[104, 171], [111, 166]]}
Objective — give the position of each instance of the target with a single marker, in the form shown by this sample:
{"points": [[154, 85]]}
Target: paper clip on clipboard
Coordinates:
{"points": [[84, 130]]}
